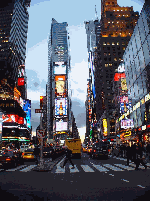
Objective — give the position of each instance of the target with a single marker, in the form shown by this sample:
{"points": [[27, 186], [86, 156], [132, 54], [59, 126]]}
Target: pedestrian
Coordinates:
{"points": [[128, 150], [37, 153], [68, 153], [139, 158], [148, 152], [133, 148]]}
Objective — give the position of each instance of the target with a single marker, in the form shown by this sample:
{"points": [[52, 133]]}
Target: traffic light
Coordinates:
{"points": [[41, 102]]}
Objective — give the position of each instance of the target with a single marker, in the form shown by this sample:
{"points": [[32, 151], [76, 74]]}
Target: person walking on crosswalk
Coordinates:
{"points": [[68, 157]]}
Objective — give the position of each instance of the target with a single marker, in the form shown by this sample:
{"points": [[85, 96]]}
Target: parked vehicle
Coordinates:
{"points": [[8, 159], [84, 148], [75, 146], [28, 154], [100, 150]]}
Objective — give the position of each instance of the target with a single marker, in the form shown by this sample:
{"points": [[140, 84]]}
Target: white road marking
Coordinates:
{"points": [[17, 168], [86, 168], [125, 180], [112, 167], [27, 169], [124, 167], [141, 186], [73, 170], [100, 168], [60, 170]]}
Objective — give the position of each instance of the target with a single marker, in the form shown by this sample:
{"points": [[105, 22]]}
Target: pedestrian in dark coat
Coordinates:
{"points": [[37, 153], [128, 149], [133, 148], [68, 153], [139, 158]]}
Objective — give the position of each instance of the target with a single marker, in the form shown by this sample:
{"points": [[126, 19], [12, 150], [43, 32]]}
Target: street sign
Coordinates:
{"points": [[40, 111], [40, 133]]}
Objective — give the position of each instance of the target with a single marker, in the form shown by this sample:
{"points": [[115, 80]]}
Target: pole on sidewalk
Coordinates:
{"points": [[41, 147]]}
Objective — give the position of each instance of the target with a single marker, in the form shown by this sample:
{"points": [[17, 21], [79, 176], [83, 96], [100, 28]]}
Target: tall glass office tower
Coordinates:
{"points": [[57, 94]]}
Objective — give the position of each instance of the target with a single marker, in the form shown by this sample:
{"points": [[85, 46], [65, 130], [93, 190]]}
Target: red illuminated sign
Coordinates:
{"points": [[21, 120], [118, 76], [20, 81]]}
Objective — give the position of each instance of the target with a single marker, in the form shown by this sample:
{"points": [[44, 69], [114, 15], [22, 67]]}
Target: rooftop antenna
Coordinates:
{"points": [[96, 13]]}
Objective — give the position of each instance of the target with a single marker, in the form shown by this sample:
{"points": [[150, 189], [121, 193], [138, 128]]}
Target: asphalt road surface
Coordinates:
{"points": [[92, 179]]}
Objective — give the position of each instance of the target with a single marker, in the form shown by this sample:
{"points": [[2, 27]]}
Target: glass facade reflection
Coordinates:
{"points": [[137, 69]]}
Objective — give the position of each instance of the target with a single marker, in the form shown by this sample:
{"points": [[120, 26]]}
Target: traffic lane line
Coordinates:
{"points": [[141, 186]]}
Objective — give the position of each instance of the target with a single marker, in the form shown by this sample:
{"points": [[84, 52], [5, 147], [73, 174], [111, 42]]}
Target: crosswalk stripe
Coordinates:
{"points": [[112, 167], [73, 170], [86, 168], [124, 167], [60, 170], [100, 168], [28, 168], [17, 168]]}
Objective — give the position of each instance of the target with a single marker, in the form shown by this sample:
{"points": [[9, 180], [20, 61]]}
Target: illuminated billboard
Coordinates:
{"points": [[59, 68], [60, 85], [61, 106], [123, 99], [125, 106], [104, 127], [20, 120], [118, 76], [27, 110], [21, 71], [21, 81], [61, 126], [128, 123], [10, 118], [123, 84], [17, 95]]}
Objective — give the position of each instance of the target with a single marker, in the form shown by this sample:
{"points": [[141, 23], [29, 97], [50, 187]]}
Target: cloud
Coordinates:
{"points": [[35, 117], [35, 84]]}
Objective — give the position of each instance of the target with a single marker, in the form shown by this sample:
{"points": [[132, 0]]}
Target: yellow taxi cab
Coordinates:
{"points": [[28, 154], [84, 149], [89, 149]]}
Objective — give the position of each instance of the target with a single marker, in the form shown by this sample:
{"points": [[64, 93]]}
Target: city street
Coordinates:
{"points": [[91, 179]]}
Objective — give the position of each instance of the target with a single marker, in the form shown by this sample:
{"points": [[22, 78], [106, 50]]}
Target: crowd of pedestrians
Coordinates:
{"points": [[137, 153]]}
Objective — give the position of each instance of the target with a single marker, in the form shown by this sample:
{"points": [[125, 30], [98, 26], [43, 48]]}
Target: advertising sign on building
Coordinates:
{"points": [[124, 106], [59, 68], [128, 123], [61, 106], [21, 71], [27, 110], [60, 85], [61, 126], [1, 119], [123, 84], [21, 81], [104, 127]]}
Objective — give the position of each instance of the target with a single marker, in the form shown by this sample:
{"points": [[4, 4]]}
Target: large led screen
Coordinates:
{"points": [[61, 106], [59, 68], [123, 84], [27, 110], [128, 123], [123, 99], [60, 85], [125, 106], [61, 126], [10, 118]]}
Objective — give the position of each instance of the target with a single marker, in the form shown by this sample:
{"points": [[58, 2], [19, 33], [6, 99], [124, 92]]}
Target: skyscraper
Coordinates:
{"points": [[13, 38], [117, 25], [57, 91]]}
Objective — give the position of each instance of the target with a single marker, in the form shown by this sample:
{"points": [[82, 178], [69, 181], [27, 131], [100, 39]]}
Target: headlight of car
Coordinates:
{"points": [[50, 152]]}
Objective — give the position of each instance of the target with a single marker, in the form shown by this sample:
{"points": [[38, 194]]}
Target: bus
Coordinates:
{"points": [[75, 146]]}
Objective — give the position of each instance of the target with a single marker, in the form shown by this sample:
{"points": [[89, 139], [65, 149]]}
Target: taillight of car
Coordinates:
{"points": [[22, 154], [94, 150], [8, 159]]}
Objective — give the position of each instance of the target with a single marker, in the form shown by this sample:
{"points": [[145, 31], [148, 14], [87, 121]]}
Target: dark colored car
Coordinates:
{"points": [[100, 150], [48, 152], [8, 159]]}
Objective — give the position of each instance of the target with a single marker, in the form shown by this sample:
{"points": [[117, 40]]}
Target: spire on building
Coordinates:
{"points": [[96, 13]]}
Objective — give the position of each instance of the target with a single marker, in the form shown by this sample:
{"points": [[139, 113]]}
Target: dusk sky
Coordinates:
{"points": [[74, 13]]}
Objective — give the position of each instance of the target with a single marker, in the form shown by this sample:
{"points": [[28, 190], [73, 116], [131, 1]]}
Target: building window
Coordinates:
{"points": [[106, 65], [108, 43], [113, 43], [110, 64], [104, 43], [118, 43]]}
